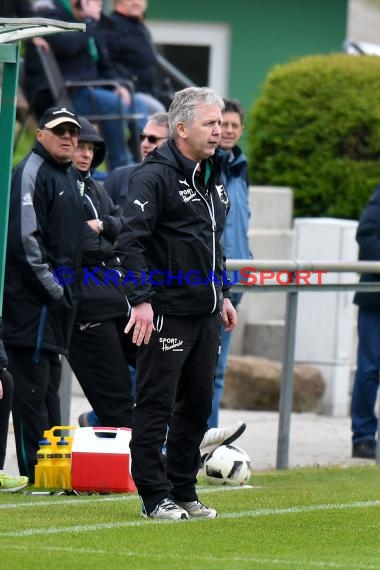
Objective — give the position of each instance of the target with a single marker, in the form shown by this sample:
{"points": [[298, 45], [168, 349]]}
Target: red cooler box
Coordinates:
{"points": [[101, 461]]}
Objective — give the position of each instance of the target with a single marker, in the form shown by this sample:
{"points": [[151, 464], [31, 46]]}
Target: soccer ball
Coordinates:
{"points": [[227, 465]]}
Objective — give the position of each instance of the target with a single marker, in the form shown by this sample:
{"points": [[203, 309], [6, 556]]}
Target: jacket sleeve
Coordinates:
{"points": [[142, 211], [368, 232], [3, 354], [27, 249]]}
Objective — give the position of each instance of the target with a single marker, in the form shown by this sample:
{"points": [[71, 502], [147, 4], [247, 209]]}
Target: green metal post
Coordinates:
{"points": [[9, 55]]}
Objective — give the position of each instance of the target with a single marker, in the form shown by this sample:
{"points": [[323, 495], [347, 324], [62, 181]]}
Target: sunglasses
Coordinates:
{"points": [[151, 138], [59, 131]]}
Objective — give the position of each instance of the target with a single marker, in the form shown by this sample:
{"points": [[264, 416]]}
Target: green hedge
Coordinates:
{"points": [[316, 129]]}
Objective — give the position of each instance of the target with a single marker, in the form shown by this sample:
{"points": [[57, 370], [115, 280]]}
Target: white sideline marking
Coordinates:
{"points": [[237, 515], [220, 559], [58, 500]]}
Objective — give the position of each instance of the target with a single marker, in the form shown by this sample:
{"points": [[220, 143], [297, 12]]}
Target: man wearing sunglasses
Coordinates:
{"points": [[45, 235], [155, 132]]}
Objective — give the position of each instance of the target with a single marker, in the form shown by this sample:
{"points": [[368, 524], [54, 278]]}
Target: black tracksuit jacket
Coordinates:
{"points": [[102, 294], [45, 232], [174, 225]]}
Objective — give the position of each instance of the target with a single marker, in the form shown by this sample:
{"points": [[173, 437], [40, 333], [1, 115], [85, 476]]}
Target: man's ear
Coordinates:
{"points": [[181, 130]]}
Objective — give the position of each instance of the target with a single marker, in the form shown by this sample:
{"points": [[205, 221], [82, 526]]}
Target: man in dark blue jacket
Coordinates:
{"points": [[235, 236], [366, 384], [45, 236]]}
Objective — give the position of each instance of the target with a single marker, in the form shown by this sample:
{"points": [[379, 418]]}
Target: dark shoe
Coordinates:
{"points": [[366, 449]]}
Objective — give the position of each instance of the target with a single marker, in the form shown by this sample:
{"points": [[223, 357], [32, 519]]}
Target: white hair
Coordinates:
{"points": [[183, 106]]}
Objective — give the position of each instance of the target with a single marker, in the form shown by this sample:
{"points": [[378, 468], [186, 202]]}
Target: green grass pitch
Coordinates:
{"points": [[315, 518]]}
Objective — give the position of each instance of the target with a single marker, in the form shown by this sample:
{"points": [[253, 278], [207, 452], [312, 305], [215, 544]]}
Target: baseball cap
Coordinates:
{"points": [[55, 116]]}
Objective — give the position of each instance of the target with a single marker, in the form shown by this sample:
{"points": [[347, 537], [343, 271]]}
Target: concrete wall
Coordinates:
{"points": [[261, 315], [326, 321], [325, 330]]}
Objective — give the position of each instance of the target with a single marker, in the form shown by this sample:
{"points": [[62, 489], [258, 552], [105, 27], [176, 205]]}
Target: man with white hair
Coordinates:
{"points": [[175, 214]]}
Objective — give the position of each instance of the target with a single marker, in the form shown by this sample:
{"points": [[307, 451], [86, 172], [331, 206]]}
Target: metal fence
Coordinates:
{"points": [[290, 268]]}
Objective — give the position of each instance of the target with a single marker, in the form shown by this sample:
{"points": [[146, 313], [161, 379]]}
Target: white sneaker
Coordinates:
{"points": [[198, 509], [214, 437], [166, 510]]}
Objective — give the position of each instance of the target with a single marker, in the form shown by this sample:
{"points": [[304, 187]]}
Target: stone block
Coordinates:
{"points": [[253, 383], [265, 339]]}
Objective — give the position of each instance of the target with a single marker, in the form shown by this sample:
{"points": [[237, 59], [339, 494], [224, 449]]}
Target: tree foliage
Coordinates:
{"points": [[316, 128]]}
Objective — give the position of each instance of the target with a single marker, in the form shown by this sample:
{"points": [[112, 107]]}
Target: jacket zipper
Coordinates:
{"points": [[211, 212]]}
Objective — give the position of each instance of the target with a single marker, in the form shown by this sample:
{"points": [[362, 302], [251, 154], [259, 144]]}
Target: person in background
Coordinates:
{"points": [[235, 235], [45, 236], [364, 422], [100, 351], [175, 214], [155, 132], [131, 49], [84, 57], [8, 484]]}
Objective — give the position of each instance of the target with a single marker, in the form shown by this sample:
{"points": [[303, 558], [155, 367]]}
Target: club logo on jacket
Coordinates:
{"points": [[187, 194], [222, 193], [27, 199], [142, 206]]}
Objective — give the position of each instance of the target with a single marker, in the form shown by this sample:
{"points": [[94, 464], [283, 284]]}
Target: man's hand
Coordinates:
{"points": [[124, 94], [142, 319], [1, 390], [229, 316], [94, 225], [41, 42]]}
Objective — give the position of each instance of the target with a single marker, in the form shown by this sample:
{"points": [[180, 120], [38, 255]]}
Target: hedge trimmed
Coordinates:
{"points": [[316, 129]]}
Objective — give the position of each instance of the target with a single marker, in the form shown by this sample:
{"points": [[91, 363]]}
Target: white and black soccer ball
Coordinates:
{"points": [[227, 465]]}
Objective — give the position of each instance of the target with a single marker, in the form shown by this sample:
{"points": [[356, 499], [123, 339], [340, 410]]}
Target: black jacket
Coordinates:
{"points": [[45, 232], [117, 182], [174, 229], [131, 50], [16, 9], [102, 294], [3, 354], [368, 238]]}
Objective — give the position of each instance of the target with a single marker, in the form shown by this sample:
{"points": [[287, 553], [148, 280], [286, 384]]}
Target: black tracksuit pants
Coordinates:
{"points": [[175, 383], [5, 410], [99, 356], [36, 405]]}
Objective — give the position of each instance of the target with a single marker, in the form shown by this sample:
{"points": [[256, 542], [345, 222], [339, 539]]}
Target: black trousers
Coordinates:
{"points": [[5, 410], [36, 405], [175, 382], [99, 356]]}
